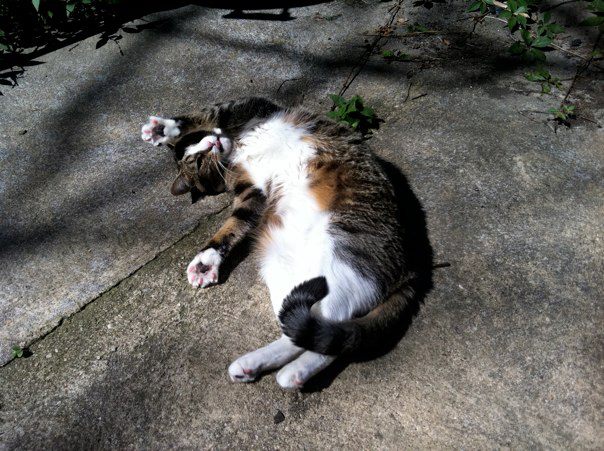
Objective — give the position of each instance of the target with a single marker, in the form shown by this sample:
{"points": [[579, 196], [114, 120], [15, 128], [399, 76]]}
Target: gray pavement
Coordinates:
{"points": [[506, 350]]}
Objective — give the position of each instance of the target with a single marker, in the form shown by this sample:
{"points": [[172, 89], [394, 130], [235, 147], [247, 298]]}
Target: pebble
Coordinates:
{"points": [[279, 417], [22, 132]]}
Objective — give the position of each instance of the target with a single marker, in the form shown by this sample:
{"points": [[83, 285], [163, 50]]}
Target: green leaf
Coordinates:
{"points": [[474, 6], [593, 21], [512, 22], [526, 37], [505, 14], [521, 20], [512, 5], [541, 41], [338, 100], [554, 28], [536, 55], [535, 76], [69, 7], [547, 16], [36, 4], [368, 112], [86, 2], [517, 48], [332, 114], [597, 6], [17, 352], [546, 88]]}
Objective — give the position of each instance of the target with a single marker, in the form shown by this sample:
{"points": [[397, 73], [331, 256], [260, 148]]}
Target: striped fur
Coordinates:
{"points": [[326, 224]]}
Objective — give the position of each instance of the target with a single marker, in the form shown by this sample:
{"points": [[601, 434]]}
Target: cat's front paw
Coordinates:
{"points": [[160, 131], [203, 270]]}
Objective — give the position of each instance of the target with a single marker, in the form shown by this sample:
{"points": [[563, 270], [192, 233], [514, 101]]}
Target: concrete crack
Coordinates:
{"points": [[119, 282]]}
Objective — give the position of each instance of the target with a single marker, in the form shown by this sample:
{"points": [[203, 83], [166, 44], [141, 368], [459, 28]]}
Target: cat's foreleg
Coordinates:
{"points": [[272, 356], [159, 130], [247, 210]]}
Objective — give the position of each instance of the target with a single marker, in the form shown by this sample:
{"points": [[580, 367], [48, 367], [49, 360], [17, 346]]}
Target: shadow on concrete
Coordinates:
{"points": [[13, 65]]}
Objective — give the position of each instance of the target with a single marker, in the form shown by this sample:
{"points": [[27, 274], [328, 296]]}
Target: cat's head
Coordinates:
{"points": [[202, 165]]}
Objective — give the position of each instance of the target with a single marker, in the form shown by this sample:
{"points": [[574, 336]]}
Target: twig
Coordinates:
{"points": [[394, 10], [285, 81], [581, 69], [496, 18], [405, 35], [570, 52], [505, 6], [424, 94], [408, 92]]}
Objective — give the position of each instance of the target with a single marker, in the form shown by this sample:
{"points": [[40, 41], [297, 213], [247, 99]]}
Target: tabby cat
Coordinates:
{"points": [[324, 221]]}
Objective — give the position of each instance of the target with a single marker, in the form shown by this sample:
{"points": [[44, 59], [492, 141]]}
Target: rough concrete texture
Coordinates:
{"points": [[84, 203], [506, 351]]}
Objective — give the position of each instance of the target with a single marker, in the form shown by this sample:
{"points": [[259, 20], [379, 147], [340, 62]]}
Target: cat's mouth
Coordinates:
{"points": [[217, 146]]}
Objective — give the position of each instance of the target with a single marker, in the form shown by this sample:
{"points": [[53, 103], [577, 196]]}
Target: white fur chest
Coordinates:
{"points": [[275, 153]]}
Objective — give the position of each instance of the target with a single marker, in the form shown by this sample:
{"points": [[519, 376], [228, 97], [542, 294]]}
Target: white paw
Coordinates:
{"points": [[203, 270], [239, 371], [207, 143], [290, 378], [159, 130]]}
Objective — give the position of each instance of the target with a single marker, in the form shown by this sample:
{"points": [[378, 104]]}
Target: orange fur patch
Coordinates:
{"points": [[327, 183]]}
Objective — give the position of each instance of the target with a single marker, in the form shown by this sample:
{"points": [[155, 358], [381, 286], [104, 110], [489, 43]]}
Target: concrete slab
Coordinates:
{"points": [[84, 203], [506, 352]]}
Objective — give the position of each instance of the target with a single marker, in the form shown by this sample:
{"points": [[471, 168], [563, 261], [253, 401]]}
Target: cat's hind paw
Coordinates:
{"points": [[240, 372], [290, 379], [160, 131], [203, 270]]}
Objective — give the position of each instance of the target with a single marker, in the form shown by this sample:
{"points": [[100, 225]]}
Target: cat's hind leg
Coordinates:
{"points": [[294, 375], [272, 356]]}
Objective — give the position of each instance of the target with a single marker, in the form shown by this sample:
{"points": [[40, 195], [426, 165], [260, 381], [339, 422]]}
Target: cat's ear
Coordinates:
{"points": [[181, 185]]}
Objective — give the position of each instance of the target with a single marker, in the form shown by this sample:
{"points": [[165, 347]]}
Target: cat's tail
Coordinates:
{"points": [[335, 338]]}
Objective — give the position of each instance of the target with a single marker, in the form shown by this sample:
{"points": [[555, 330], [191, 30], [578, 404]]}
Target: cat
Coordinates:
{"points": [[324, 218]]}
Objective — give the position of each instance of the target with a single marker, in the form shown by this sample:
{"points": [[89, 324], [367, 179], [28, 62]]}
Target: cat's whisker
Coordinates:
{"points": [[226, 170], [219, 172]]}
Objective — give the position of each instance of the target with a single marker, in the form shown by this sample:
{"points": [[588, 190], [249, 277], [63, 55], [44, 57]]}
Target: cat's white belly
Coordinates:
{"points": [[301, 248]]}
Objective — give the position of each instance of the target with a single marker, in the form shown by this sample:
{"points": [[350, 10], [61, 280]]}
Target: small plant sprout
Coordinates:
{"points": [[563, 114], [546, 80], [391, 55], [417, 28], [17, 352], [354, 113]]}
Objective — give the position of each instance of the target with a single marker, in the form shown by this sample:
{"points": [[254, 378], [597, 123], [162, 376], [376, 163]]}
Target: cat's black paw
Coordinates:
{"points": [[160, 131]]}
